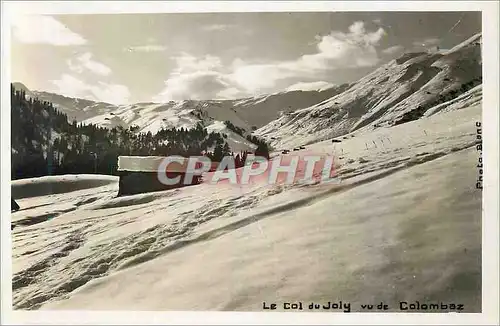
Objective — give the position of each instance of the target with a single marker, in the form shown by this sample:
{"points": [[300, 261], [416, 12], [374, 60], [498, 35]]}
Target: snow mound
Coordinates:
{"points": [[49, 185], [385, 243]]}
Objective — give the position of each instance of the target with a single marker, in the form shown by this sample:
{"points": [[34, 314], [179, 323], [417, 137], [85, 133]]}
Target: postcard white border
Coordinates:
{"points": [[490, 304]]}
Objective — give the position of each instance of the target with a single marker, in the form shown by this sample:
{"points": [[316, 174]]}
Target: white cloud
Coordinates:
{"points": [[427, 42], [393, 50], [200, 85], [336, 50], [206, 78], [84, 62], [255, 78], [194, 78], [310, 86], [71, 86], [231, 92], [348, 50], [147, 48], [36, 29], [189, 63]]}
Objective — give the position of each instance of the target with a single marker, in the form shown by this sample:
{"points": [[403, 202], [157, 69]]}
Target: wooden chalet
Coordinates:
{"points": [[139, 174]]}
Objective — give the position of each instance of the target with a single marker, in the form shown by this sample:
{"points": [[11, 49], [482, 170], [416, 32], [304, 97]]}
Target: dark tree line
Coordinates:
{"points": [[45, 143], [236, 129], [262, 146]]}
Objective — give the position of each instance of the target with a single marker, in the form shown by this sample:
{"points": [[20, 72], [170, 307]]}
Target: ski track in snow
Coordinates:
{"points": [[63, 241]]}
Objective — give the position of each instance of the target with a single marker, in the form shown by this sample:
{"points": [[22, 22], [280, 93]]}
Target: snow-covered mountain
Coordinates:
{"points": [[405, 89], [245, 113], [248, 113], [76, 108], [410, 87]]}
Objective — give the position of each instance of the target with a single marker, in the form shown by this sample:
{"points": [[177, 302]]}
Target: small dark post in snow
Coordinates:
{"points": [[425, 132], [374, 143]]}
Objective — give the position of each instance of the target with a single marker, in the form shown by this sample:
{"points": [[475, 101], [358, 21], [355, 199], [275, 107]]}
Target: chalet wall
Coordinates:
{"points": [[133, 182]]}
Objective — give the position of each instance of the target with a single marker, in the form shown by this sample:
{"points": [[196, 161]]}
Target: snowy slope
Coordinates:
{"points": [[415, 82], [470, 98], [377, 248], [403, 224]]}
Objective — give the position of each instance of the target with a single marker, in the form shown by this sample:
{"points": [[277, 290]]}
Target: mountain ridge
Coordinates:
{"points": [[382, 98], [411, 83]]}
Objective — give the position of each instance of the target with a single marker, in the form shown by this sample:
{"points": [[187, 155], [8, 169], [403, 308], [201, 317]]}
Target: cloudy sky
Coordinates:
{"points": [[127, 58]]}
